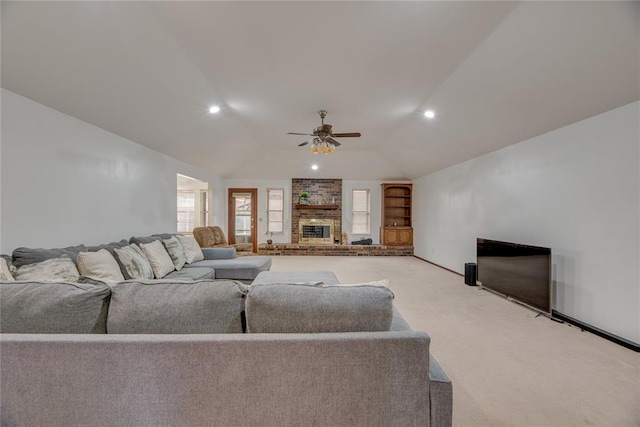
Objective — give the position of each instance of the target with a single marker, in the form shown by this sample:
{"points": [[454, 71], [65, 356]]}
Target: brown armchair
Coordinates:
{"points": [[213, 237]]}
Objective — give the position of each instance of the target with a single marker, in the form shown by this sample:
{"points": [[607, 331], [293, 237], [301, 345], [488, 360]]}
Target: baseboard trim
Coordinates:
{"points": [[599, 332], [438, 265], [557, 316]]}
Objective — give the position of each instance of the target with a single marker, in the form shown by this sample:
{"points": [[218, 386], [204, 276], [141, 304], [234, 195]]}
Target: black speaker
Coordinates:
{"points": [[470, 273]]}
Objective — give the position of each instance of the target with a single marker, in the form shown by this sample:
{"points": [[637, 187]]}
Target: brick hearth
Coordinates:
{"points": [[334, 250]]}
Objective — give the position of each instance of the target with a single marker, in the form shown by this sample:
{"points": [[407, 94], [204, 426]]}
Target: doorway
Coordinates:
{"points": [[242, 213], [193, 204]]}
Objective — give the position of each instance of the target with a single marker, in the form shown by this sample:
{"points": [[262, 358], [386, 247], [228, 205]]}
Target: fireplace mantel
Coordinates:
{"points": [[317, 207]]}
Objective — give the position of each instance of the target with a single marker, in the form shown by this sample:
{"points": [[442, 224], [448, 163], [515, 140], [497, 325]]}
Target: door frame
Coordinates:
{"points": [[231, 215]]}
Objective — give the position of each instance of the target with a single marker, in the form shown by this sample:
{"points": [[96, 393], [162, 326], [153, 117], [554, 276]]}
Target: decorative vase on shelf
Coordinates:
{"points": [[304, 198]]}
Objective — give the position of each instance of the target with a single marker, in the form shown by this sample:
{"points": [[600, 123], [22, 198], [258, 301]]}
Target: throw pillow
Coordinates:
{"points": [[60, 269], [175, 251], [135, 262], [281, 308], [191, 248], [158, 257], [99, 265], [5, 273]]}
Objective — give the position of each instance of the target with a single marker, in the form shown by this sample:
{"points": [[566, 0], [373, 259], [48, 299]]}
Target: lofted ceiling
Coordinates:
{"points": [[496, 73]]}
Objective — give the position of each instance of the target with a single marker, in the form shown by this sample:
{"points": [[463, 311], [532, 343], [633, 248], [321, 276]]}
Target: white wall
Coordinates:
{"points": [[66, 182], [375, 192], [576, 190], [262, 186], [375, 206]]}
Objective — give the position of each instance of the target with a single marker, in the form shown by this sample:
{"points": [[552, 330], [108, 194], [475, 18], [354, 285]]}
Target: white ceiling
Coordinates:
{"points": [[496, 73]]}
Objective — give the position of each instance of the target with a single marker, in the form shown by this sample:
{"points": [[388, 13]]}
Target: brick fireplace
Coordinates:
{"points": [[325, 204]]}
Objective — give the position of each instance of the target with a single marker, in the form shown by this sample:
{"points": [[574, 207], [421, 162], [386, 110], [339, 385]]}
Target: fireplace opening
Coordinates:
{"points": [[316, 231]]}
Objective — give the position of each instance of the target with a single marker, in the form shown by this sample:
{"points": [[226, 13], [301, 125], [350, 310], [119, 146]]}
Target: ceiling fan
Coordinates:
{"points": [[323, 138]]}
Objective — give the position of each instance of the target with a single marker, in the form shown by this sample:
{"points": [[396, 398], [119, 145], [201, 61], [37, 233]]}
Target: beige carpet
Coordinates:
{"points": [[508, 367]]}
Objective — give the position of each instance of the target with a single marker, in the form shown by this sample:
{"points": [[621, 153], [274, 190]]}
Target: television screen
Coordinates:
{"points": [[520, 272]]}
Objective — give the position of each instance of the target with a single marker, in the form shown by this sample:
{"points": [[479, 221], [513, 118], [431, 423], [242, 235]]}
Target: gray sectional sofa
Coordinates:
{"points": [[291, 349]]}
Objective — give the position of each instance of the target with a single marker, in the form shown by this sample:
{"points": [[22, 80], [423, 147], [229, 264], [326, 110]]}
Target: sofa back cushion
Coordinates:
{"points": [[171, 307], [53, 308], [24, 256], [287, 308]]}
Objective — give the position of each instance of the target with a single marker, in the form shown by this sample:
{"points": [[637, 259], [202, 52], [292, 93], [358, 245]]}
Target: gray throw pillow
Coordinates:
{"points": [[111, 247], [158, 257], [53, 308], [288, 308], [135, 263], [175, 251], [100, 265], [5, 271], [176, 307], [60, 269], [192, 250]]}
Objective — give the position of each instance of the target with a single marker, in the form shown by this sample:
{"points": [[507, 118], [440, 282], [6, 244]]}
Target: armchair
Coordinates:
{"points": [[213, 237]]}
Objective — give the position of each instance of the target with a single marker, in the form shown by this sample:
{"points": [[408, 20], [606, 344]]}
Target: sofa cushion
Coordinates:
{"points": [[24, 256], [53, 308], [191, 248], [111, 247], [135, 263], [171, 307], [272, 277], [192, 274], [287, 308], [5, 271], [175, 251], [144, 239], [158, 257], [60, 269], [245, 268], [100, 265]]}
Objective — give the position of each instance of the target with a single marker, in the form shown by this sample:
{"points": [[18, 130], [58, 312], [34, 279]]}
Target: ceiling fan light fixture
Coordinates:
{"points": [[323, 137]]}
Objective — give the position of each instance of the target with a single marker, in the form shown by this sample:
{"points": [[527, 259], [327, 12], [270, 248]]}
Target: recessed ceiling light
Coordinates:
{"points": [[429, 114], [214, 109], [314, 167]]}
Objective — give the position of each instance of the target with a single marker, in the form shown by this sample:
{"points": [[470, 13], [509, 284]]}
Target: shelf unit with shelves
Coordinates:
{"points": [[397, 227]]}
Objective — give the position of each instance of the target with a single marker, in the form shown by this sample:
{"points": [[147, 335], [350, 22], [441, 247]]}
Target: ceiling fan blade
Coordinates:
{"points": [[306, 142], [333, 141], [298, 133], [346, 135]]}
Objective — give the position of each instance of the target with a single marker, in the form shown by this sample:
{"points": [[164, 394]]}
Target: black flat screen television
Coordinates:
{"points": [[520, 272]]}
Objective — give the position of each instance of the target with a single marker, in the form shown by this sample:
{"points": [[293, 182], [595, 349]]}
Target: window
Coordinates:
{"points": [[360, 209], [275, 210], [204, 208], [186, 211]]}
